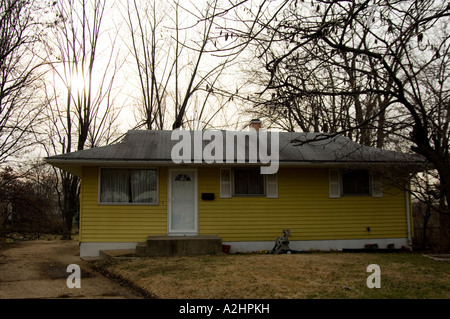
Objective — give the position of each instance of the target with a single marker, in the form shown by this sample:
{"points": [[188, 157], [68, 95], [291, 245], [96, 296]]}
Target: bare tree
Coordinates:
{"points": [[27, 203], [388, 56], [81, 93], [173, 47], [280, 67], [20, 69]]}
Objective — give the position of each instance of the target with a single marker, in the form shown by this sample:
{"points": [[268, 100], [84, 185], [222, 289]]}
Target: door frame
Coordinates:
{"points": [[181, 232]]}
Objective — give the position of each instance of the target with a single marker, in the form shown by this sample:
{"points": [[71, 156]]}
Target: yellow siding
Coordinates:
{"points": [[119, 223], [302, 205]]}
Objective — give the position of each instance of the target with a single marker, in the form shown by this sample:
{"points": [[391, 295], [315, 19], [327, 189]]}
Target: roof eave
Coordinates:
{"points": [[73, 163]]}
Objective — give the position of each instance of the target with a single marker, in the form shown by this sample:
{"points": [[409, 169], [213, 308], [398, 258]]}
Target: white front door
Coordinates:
{"points": [[182, 208]]}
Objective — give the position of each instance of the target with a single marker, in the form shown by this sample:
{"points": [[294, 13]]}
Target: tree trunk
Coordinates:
{"points": [[70, 205]]}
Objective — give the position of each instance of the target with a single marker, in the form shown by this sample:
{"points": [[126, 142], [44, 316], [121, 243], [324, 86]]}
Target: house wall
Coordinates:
{"points": [[303, 206], [119, 223]]}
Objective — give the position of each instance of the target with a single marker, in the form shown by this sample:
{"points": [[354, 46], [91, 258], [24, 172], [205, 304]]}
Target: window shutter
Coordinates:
{"points": [[377, 185], [334, 183], [271, 185], [225, 183]]}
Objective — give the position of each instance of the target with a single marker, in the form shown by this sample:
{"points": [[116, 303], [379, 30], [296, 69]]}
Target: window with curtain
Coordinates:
{"points": [[134, 186], [248, 182]]}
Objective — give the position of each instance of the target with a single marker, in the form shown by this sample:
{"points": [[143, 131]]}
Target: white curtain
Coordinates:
{"points": [[128, 186], [143, 186], [114, 186]]}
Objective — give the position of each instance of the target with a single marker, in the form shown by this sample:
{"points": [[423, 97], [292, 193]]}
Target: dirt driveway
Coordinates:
{"points": [[38, 269]]}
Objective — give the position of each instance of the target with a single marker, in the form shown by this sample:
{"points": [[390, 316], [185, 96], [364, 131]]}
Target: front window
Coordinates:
{"points": [[133, 186], [355, 182], [248, 182]]}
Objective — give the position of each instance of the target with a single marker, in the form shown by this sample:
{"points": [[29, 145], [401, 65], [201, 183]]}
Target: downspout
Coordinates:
{"points": [[408, 217]]}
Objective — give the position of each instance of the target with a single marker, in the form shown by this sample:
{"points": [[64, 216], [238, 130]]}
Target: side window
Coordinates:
{"points": [[248, 182], [359, 182], [355, 182]]}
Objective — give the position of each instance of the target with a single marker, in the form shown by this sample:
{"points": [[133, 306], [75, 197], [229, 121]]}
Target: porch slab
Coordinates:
{"points": [[179, 246]]}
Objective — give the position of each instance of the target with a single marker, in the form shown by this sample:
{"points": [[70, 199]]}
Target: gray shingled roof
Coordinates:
{"points": [[156, 146]]}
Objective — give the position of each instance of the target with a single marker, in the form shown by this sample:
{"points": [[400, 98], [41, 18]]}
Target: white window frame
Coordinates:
{"points": [[356, 195], [227, 188], [335, 185], [246, 195], [127, 203]]}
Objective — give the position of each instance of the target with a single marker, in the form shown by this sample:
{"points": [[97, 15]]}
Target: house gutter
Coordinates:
{"points": [[108, 162], [166, 162]]}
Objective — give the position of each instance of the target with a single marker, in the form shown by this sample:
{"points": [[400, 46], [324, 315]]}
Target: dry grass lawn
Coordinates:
{"points": [[296, 276]]}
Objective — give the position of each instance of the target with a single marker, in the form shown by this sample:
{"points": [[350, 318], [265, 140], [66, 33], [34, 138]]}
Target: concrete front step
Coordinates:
{"points": [[179, 246]]}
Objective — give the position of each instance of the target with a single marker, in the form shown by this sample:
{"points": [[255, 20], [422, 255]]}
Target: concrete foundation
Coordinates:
{"points": [[213, 244], [179, 246]]}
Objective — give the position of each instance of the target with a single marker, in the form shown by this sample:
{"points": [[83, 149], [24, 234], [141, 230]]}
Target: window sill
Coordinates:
{"points": [[356, 195], [249, 195], [128, 204]]}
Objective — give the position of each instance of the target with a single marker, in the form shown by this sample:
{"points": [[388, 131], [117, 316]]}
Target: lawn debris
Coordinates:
{"points": [[282, 243]]}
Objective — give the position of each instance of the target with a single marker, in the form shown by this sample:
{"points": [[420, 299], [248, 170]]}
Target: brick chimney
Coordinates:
{"points": [[255, 124]]}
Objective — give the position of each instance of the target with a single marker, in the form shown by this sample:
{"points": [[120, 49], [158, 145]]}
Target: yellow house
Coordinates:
{"points": [[330, 192]]}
